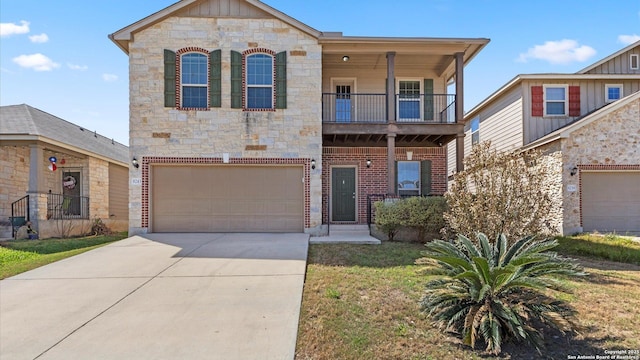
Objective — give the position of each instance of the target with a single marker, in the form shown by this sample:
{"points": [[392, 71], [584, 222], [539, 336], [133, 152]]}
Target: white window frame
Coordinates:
{"points": [[272, 86], [566, 99], [412, 190], [634, 59], [183, 85], [419, 100], [606, 92], [476, 132]]}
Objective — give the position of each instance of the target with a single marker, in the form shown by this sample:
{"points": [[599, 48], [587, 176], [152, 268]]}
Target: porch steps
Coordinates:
{"points": [[346, 234]]}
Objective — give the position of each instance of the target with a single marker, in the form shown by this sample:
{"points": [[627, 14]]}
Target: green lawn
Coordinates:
{"points": [[606, 247], [362, 302], [17, 256]]}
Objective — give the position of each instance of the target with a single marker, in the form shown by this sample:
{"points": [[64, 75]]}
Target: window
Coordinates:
{"points": [[408, 178], [612, 92], [409, 100], [193, 80], [634, 62], [555, 100], [259, 80], [475, 131]]}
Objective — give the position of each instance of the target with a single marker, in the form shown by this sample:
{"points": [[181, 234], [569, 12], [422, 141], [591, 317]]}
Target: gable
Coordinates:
{"points": [[617, 63], [223, 8]]}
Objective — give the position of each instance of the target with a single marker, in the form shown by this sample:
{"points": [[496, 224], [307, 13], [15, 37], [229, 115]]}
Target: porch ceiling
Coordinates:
{"points": [[380, 140]]}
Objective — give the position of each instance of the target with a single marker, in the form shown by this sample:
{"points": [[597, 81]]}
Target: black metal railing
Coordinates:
{"points": [[60, 206], [372, 108], [19, 214]]}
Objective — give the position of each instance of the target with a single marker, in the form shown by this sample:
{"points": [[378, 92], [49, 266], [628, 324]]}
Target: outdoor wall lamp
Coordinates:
{"points": [[368, 163], [135, 163], [345, 58], [574, 171], [313, 164]]}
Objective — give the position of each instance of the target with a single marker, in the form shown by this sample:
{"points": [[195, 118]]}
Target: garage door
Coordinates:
{"points": [[611, 201], [227, 199]]}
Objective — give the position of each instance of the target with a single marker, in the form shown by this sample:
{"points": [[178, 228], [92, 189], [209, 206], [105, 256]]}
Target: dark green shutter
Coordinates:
{"points": [[281, 80], [169, 78], [215, 78], [425, 177], [395, 181], [428, 99], [236, 80]]}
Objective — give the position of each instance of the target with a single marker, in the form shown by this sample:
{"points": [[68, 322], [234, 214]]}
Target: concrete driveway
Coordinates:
{"points": [[160, 296]]}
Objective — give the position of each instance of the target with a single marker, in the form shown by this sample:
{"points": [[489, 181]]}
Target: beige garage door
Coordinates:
{"points": [[611, 201], [227, 199]]}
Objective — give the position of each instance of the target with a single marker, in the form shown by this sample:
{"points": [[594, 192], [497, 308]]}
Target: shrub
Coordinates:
{"points": [[424, 214], [500, 193], [496, 292]]}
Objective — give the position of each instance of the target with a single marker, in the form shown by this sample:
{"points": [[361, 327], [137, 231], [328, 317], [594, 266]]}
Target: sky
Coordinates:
{"points": [[55, 54]]}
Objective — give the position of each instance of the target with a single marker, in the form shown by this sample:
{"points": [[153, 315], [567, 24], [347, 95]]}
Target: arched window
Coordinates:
{"points": [[259, 81], [194, 80]]}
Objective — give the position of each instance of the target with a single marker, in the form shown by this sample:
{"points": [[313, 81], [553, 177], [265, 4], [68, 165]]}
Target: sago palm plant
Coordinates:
{"points": [[494, 291]]}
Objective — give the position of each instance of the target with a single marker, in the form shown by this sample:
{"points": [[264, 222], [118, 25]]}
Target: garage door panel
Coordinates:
{"points": [[227, 199], [611, 201]]}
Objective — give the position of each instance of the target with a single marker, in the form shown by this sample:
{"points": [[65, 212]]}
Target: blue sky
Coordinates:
{"points": [[55, 55]]}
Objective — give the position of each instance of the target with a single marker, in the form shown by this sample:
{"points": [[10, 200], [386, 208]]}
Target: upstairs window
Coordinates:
{"points": [[475, 131], [555, 100], [634, 62], [612, 92], [193, 81], [259, 81]]}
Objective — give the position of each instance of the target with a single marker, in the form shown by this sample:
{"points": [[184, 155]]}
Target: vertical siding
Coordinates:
{"points": [[592, 97], [118, 192], [222, 8], [617, 65]]}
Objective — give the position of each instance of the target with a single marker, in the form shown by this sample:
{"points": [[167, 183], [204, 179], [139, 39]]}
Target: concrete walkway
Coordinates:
{"points": [[161, 296]]}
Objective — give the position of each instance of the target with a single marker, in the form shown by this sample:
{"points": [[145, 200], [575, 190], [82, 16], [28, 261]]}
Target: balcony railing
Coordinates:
{"points": [[372, 108], [60, 206]]}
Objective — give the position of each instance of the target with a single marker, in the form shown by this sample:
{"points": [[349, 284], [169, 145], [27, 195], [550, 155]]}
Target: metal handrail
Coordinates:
{"points": [[19, 214]]}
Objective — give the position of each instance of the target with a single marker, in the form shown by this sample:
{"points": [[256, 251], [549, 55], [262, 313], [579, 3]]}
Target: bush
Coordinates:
{"points": [[495, 292], [500, 193], [424, 214]]}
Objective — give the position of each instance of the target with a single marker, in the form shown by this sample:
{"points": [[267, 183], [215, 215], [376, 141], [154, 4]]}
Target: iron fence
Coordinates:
{"points": [[61, 206]]}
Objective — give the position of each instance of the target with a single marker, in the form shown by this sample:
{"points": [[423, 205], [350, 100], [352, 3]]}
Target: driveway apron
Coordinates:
{"points": [[160, 296]]}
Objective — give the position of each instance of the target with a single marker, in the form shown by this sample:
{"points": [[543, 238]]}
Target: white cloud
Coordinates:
{"points": [[77, 67], [42, 38], [37, 62], [559, 52], [628, 39], [109, 77], [8, 29]]}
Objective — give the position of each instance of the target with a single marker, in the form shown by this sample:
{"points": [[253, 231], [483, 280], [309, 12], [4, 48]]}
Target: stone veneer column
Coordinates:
{"points": [[36, 181]]}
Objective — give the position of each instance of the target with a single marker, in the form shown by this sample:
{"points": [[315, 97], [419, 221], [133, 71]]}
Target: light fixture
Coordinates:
{"points": [[313, 164], [345, 58], [409, 155], [135, 163], [368, 163], [574, 171]]}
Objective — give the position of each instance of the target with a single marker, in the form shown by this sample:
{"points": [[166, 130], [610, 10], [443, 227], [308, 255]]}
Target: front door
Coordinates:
{"points": [[343, 194], [71, 190]]}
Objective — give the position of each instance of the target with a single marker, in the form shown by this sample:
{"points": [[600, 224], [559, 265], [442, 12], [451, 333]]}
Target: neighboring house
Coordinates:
{"points": [[588, 126], [245, 119], [89, 180]]}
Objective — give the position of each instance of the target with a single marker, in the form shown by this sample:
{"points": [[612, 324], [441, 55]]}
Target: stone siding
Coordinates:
{"points": [[294, 132], [14, 182], [609, 143]]}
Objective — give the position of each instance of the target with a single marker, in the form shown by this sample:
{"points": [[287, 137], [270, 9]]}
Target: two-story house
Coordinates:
{"points": [[245, 119], [588, 126]]}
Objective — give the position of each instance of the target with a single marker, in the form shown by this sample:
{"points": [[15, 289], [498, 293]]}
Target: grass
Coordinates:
{"points": [[361, 302], [606, 247], [18, 256]]}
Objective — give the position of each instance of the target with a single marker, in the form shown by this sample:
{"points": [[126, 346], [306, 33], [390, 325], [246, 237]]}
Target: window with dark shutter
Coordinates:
{"points": [[215, 78], [236, 80], [169, 78], [281, 80]]}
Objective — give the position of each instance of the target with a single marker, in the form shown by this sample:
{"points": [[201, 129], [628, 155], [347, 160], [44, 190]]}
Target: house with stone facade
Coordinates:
{"points": [[58, 176], [245, 119], [587, 124]]}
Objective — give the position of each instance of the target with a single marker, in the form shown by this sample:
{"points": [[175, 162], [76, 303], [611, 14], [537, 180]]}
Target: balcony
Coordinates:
{"points": [[362, 119]]}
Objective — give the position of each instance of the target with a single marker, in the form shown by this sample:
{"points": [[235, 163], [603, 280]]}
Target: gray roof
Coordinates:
{"points": [[29, 121]]}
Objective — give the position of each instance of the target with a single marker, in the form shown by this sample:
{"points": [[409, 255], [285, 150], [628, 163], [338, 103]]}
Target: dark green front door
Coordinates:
{"points": [[343, 194]]}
